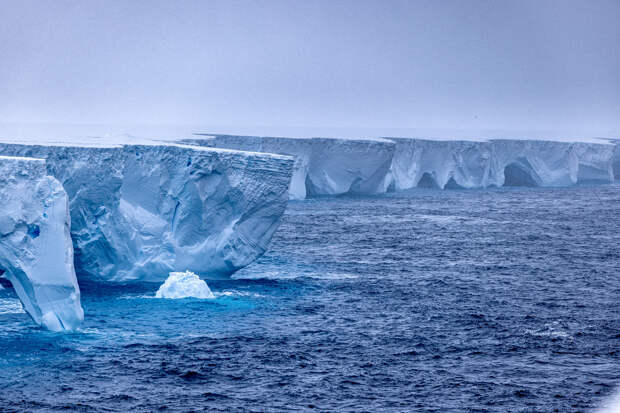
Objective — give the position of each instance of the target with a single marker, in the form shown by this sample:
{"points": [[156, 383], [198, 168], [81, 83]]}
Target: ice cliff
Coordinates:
{"points": [[326, 166], [471, 164], [616, 160], [323, 166], [36, 253], [139, 212]]}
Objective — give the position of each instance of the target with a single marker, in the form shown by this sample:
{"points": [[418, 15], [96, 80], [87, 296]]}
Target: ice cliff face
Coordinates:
{"points": [[36, 253], [470, 164], [325, 166], [616, 160], [322, 166], [139, 212]]}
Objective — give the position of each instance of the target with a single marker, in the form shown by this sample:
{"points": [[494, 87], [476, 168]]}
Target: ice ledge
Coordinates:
{"points": [[36, 253]]}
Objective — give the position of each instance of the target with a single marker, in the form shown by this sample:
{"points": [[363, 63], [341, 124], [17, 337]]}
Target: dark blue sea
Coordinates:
{"points": [[444, 301]]}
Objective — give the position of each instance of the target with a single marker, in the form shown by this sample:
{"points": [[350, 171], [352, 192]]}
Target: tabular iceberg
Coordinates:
{"points": [[330, 166], [323, 166], [141, 211], [471, 164], [36, 253]]}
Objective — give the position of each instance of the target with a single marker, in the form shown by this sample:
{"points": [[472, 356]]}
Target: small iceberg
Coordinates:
{"points": [[184, 285]]}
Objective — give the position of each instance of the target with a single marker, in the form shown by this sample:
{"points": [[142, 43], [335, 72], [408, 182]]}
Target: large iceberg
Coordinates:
{"points": [[141, 211], [323, 166], [471, 164], [332, 166], [36, 253]]}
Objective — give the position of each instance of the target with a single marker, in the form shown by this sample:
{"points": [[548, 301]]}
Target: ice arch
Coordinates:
{"points": [[427, 181], [520, 173]]}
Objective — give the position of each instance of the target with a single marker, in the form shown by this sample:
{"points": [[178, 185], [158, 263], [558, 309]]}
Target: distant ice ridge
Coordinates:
{"points": [[323, 166], [141, 211], [326, 166], [183, 285], [36, 253]]}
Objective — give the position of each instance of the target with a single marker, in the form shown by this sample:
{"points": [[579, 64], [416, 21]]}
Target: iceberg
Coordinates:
{"points": [[183, 285], [142, 210], [616, 160], [335, 166], [36, 253], [323, 166], [495, 163]]}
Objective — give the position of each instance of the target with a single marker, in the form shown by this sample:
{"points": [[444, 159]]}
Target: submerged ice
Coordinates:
{"points": [[184, 285], [36, 253]]}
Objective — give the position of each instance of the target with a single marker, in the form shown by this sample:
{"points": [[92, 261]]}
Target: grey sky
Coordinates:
{"points": [[381, 65]]}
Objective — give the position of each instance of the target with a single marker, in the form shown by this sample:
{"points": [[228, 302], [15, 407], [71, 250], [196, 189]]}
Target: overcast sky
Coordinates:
{"points": [[381, 65]]}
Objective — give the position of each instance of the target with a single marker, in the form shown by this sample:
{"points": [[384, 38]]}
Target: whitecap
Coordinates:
{"points": [[235, 293], [11, 306]]}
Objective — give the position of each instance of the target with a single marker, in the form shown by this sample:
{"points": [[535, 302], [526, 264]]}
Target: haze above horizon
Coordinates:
{"points": [[394, 68]]}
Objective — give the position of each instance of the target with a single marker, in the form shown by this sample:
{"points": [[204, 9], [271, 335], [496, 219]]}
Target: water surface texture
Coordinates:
{"points": [[496, 300]]}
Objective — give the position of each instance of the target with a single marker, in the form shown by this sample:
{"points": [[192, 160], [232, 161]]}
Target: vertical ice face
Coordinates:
{"points": [[323, 166], [36, 253], [616, 162], [471, 164], [595, 162], [141, 211], [198, 209], [439, 164]]}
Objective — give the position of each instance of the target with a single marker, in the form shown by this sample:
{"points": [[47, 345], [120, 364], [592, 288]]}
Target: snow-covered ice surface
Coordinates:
{"points": [[333, 166], [323, 166], [36, 253], [183, 285], [141, 211]]}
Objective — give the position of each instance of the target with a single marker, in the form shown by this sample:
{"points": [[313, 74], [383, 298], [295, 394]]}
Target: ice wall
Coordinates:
{"points": [[326, 166], [472, 164], [141, 211], [616, 160], [323, 166], [36, 253]]}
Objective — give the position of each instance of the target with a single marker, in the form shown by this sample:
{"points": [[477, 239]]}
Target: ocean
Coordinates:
{"points": [[439, 301]]}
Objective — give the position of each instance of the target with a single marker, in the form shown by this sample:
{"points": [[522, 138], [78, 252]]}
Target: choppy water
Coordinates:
{"points": [[505, 300]]}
